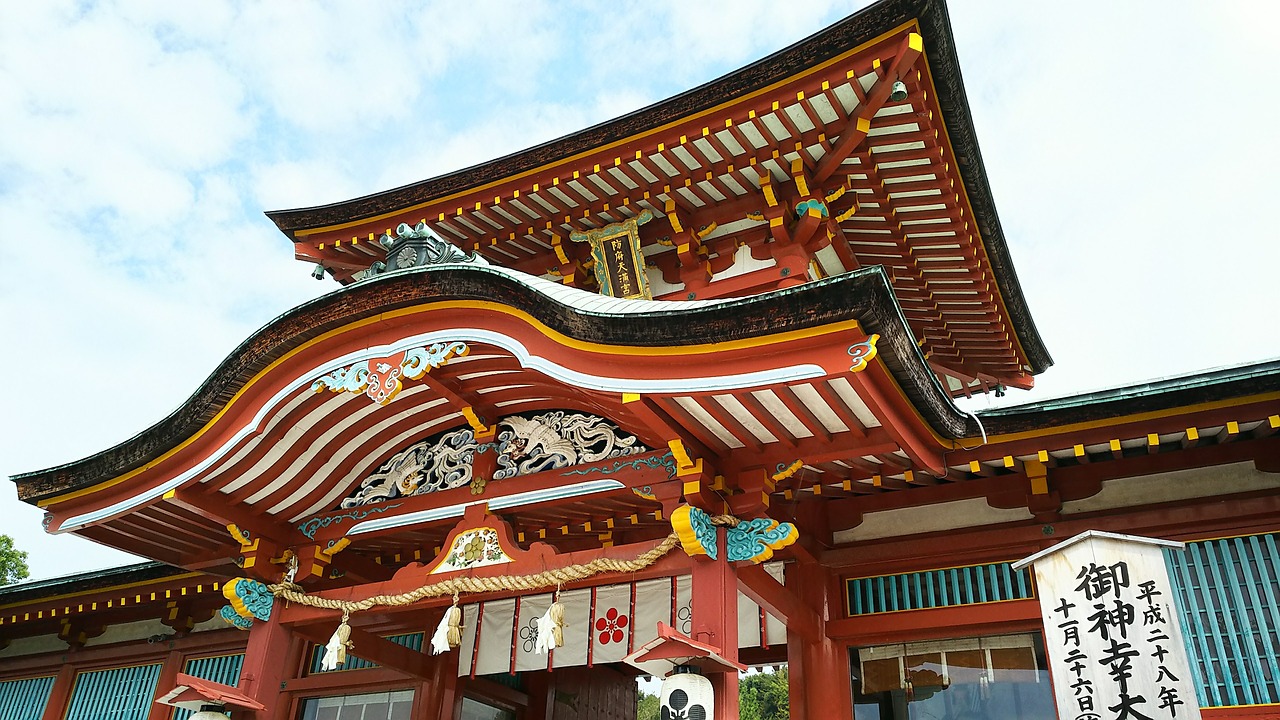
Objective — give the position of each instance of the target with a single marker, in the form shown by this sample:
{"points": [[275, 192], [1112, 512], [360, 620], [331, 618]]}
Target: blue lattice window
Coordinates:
{"points": [[115, 694], [1227, 594], [24, 699], [993, 582]]}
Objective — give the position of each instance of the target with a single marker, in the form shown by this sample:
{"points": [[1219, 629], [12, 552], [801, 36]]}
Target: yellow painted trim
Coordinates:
{"points": [[110, 590], [1140, 417], [693, 470], [559, 338], [742, 99], [683, 528]]}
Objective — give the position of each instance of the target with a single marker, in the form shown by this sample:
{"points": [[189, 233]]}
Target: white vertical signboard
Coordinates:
{"points": [[1111, 630]]}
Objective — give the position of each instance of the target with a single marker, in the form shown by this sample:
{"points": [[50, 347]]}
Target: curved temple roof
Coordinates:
{"points": [[749, 384], [963, 300], [259, 445], [863, 297]]}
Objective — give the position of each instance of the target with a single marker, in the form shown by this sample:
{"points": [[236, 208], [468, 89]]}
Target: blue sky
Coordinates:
{"points": [[1131, 154]]}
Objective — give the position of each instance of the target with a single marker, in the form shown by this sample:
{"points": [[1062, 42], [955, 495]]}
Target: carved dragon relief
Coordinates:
{"points": [[524, 445]]}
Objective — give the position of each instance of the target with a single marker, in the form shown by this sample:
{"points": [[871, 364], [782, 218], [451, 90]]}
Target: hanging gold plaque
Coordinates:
{"points": [[619, 264]]}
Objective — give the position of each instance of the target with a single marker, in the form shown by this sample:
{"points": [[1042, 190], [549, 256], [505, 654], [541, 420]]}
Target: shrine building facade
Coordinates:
{"points": [[679, 389]]}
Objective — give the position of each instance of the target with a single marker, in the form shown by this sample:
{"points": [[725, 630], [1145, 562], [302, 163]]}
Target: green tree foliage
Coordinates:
{"points": [[13, 562], [763, 696], [647, 707]]}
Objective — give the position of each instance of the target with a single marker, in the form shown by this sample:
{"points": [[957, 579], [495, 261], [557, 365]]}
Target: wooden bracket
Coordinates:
{"points": [[857, 126], [779, 602], [367, 646]]}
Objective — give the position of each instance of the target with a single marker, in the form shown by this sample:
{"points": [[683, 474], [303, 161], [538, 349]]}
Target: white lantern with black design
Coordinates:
{"points": [[210, 712], [686, 695]]}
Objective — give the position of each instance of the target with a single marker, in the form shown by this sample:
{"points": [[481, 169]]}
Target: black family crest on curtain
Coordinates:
{"points": [[524, 444]]}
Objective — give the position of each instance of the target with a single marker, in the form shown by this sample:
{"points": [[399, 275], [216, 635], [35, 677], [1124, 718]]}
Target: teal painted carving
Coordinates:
{"points": [[257, 598], [666, 461], [700, 523], [312, 526], [755, 540], [229, 614], [803, 206], [379, 378], [352, 379]]}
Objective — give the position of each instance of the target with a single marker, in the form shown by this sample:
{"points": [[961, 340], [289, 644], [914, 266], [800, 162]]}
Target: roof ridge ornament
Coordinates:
{"points": [[419, 246]]}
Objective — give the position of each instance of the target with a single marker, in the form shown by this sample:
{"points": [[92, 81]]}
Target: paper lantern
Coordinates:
{"points": [[210, 712], [686, 695]]}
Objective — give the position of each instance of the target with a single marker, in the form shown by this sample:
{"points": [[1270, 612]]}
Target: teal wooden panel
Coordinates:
{"points": [[223, 669], [116, 694], [24, 699], [993, 582], [413, 641], [1225, 594]]}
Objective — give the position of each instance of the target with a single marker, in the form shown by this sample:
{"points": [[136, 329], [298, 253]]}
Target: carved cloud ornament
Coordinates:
{"points": [[524, 445]]}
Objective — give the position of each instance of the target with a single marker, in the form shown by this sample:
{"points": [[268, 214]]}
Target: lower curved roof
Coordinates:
{"points": [[758, 382], [862, 297]]}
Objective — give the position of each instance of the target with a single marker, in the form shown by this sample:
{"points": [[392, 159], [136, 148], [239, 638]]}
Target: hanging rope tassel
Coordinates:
{"points": [[550, 628], [448, 634], [335, 652]]}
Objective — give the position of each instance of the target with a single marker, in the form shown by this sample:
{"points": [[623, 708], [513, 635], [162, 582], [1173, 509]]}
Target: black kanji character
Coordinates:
{"points": [[1148, 591], [1169, 700], [1120, 617], [1153, 615], [1064, 607], [1097, 581], [1124, 709]]}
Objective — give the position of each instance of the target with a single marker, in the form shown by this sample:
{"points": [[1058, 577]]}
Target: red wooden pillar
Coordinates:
{"points": [[60, 693], [269, 661], [168, 678], [820, 682], [715, 621], [438, 697], [541, 687]]}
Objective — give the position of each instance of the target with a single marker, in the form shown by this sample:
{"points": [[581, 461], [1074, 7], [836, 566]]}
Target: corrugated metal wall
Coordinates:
{"points": [[116, 694], [223, 669], [24, 699], [993, 582], [1227, 597]]}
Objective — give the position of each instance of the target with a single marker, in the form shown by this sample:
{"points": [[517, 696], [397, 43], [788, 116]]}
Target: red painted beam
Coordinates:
{"points": [[774, 597], [375, 649], [939, 623], [633, 473], [851, 136], [673, 563], [715, 622]]}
